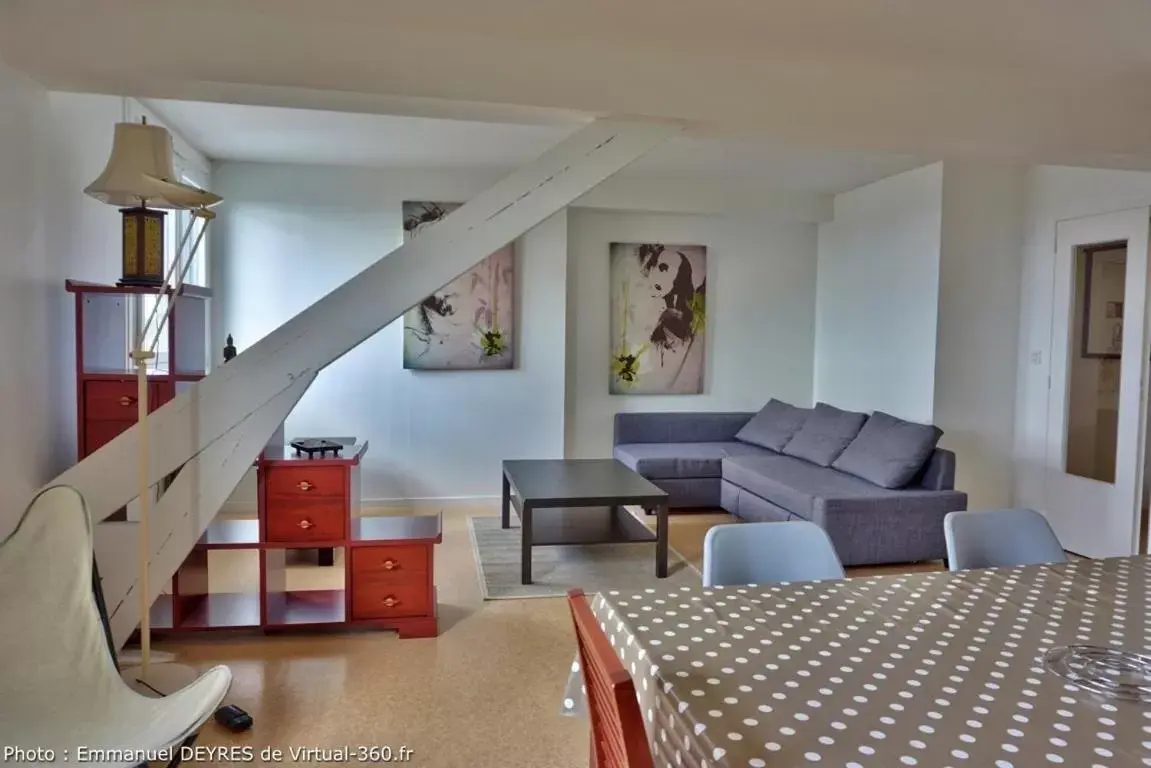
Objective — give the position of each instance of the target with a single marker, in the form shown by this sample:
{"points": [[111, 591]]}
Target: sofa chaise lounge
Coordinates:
{"points": [[877, 485]]}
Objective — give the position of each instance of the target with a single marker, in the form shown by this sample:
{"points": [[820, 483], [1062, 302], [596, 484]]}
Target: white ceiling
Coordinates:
{"points": [[1043, 80], [283, 135]]}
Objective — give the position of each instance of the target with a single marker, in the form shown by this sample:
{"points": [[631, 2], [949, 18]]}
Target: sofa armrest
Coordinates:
{"points": [[938, 474], [677, 427], [905, 526]]}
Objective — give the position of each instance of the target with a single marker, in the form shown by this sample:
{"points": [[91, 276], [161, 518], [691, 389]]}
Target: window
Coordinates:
{"points": [[198, 271], [197, 274]]}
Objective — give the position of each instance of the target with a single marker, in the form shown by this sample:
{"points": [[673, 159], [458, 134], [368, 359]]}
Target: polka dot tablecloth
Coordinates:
{"points": [[932, 669]]}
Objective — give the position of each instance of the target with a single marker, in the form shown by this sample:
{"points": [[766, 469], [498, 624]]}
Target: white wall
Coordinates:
{"points": [[978, 321], [287, 235], [877, 296], [27, 299], [84, 241], [760, 325], [55, 144], [1053, 193]]}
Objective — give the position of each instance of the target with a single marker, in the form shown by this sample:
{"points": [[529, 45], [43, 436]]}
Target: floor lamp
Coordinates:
{"points": [[140, 178]]}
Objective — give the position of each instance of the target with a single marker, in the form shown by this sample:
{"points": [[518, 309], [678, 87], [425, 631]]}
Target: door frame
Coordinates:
{"points": [[1064, 285]]}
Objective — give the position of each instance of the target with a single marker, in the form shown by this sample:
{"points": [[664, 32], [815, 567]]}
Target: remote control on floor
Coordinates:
{"points": [[233, 718]]}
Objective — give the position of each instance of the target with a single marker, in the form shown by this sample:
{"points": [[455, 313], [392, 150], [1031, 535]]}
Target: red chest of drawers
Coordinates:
{"points": [[310, 503], [387, 571]]}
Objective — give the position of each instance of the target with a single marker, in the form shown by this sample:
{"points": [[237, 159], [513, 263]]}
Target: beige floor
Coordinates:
{"points": [[484, 693]]}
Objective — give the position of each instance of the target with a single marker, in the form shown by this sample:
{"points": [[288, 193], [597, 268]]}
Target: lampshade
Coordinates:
{"points": [[140, 171], [187, 196]]}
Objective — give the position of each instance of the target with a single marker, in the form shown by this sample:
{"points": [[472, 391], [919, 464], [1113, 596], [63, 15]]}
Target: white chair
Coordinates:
{"points": [[1000, 538], [764, 553], [61, 689]]}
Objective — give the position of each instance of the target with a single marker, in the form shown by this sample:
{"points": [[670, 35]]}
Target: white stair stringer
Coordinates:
{"points": [[182, 514], [353, 312]]}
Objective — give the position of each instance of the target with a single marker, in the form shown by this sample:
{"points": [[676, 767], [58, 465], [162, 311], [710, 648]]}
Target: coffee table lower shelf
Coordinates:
{"points": [[587, 525]]}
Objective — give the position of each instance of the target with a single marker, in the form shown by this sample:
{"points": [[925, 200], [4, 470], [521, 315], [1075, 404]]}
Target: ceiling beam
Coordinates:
{"points": [[356, 310]]}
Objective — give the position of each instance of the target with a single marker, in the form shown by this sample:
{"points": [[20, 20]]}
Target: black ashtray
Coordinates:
{"points": [[313, 445]]}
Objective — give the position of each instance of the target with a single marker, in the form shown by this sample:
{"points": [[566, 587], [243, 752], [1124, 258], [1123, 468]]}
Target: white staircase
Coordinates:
{"points": [[215, 430]]}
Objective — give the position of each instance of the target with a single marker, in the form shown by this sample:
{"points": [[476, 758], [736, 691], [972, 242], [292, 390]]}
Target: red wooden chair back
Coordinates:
{"points": [[618, 737]]}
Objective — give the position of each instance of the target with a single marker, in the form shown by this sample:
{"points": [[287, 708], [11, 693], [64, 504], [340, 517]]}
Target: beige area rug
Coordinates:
{"points": [[558, 568]]}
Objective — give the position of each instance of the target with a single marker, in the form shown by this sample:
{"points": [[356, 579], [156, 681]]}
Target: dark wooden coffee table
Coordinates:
{"points": [[580, 501]]}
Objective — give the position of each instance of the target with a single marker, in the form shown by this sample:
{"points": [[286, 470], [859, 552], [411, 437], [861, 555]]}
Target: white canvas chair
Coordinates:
{"points": [[61, 689]]}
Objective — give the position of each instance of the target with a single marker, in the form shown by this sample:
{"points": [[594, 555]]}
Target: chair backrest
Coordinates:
{"points": [[764, 553], [1000, 538], [53, 637], [618, 736]]}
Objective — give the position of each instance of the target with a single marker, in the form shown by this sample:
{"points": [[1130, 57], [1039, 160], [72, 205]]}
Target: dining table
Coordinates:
{"points": [[989, 667]]}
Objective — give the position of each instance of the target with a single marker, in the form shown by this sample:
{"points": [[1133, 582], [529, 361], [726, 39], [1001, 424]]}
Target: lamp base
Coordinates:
{"points": [[162, 679]]}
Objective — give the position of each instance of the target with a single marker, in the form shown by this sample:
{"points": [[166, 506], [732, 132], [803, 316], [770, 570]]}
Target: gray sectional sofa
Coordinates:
{"points": [[876, 484]]}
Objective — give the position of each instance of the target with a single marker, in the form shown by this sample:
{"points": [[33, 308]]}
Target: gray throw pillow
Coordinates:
{"points": [[774, 425], [825, 434], [889, 452]]}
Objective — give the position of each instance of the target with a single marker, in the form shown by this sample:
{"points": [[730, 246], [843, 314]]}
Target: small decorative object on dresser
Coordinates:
{"points": [[321, 445], [229, 349]]}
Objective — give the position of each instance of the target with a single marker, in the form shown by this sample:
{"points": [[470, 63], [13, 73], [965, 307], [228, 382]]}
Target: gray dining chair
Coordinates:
{"points": [[1000, 538], [764, 553]]}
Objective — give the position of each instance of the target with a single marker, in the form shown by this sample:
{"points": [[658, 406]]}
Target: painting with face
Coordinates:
{"points": [[658, 315], [467, 324]]}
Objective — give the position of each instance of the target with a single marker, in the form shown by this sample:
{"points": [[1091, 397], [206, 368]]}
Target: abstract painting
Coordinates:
{"points": [[658, 316], [468, 324]]}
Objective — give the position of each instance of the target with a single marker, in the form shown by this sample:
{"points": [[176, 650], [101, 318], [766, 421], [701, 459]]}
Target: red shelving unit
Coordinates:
{"points": [[312, 504], [105, 374], [304, 503]]}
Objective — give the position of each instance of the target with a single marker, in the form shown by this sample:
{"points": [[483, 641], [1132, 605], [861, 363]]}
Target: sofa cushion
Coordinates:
{"points": [[794, 484], [657, 461], [889, 451], [825, 434], [774, 425]]}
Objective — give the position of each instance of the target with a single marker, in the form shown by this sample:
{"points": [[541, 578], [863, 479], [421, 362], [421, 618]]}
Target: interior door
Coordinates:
{"points": [[1099, 360]]}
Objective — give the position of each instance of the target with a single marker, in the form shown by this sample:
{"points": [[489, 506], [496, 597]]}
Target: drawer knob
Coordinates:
{"points": [[390, 565], [390, 602], [306, 524], [304, 485], [126, 401]]}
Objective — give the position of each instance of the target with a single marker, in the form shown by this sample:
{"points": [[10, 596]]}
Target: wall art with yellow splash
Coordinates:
{"points": [[658, 318], [468, 324]]}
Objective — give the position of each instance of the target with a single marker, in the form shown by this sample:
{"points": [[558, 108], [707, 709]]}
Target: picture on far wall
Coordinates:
{"points": [[658, 316], [469, 323]]}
